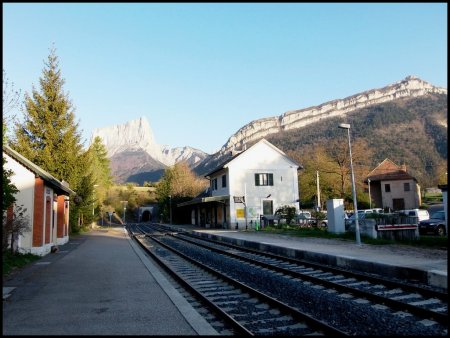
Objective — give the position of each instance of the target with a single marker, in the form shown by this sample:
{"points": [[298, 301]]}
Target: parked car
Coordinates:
{"points": [[421, 214], [303, 218], [368, 211], [434, 225], [303, 215], [350, 221]]}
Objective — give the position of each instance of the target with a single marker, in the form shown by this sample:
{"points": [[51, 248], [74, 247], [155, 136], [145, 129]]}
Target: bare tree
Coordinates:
{"points": [[10, 102], [14, 226]]}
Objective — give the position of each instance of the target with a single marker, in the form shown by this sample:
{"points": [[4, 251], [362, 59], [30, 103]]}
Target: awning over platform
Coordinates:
{"points": [[200, 200]]}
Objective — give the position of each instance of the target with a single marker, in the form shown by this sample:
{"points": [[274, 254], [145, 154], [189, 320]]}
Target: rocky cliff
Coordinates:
{"points": [[136, 135], [409, 87]]}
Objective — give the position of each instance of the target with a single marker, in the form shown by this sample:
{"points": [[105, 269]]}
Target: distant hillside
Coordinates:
{"points": [[307, 121], [408, 130]]}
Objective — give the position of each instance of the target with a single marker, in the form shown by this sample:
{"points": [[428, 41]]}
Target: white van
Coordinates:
{"points": [[421, 214], [367, 211]]}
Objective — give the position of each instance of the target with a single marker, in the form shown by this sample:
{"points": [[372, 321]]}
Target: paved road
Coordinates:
{"points": [[97, 284]]}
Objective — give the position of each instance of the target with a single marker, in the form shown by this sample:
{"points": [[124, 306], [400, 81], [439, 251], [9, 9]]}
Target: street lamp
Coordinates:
{"points": [[95, 186], [358, 238], [93, 205], [370, 196], [124, 210]]}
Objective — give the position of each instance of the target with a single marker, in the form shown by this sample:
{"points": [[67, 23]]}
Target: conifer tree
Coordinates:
{"points": [[49, 137], [101, 171], [101, 163]]}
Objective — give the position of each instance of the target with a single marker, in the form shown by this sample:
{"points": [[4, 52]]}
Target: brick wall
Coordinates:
{"points": [[38, 214], [60, 219]]}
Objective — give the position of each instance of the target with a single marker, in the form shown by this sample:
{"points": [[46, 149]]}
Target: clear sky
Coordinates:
{"points": [[198, 72]]}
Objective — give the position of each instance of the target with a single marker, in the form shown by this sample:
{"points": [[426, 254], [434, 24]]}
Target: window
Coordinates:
{"points": [[224, 181], [263, 179], [406, 186], [214, 184], [387, 188]]}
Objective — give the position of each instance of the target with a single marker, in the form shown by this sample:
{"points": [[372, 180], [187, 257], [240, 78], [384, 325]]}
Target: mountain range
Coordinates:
{"points": [[136, 157]]}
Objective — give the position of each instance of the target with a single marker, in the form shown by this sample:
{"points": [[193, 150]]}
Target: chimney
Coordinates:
{"points": [[403, 167], [234, 151]]}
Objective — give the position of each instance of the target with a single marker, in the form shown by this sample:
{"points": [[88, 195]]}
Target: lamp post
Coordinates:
{"points": [[124, 210], [370, 196], [93, 202], [358, 238], [93, 206]]}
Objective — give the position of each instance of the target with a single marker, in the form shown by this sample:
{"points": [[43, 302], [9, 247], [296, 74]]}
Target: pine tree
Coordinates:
{"points": [[81, 212], [101, 163], [101, 172], [49, 136]]}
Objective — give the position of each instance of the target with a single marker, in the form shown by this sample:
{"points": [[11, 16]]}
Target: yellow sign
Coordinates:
{"points": [[240, 213]]}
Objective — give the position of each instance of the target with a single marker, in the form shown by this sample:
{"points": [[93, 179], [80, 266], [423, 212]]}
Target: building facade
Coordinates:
{"points": [[392, 187], [46, 201], [254, 182]]}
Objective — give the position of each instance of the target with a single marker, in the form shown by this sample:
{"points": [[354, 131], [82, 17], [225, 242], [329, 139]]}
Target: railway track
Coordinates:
{"points": [[325, 300]]}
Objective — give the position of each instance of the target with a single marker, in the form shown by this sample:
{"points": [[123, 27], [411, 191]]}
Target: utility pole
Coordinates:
{"points": [[170, 208], [318, 191]]}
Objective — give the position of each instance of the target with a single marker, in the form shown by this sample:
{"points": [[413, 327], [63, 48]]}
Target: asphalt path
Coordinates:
{"points": [[98, 283]]}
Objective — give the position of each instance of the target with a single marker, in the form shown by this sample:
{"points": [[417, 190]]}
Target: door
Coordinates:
{"points": [[267, 207], [398, 203]]}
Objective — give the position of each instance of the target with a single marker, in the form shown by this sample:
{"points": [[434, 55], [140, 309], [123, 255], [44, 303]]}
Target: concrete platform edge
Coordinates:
{"points": [[433, 278]]}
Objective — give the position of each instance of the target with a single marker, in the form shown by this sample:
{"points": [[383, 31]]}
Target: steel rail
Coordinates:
{"points": [[312, 322], [234, 323], [374, 279], [395, 304]]}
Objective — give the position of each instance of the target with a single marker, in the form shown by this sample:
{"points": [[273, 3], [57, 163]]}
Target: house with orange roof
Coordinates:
{"points": [[392, 187]]}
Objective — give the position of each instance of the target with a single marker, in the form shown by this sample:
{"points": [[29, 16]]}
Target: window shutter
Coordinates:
{"points": [[256, 179], [270, 179]]}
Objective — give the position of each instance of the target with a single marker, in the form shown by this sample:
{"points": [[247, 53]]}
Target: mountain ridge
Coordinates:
{"points": [[122, 138], [411, 86]]}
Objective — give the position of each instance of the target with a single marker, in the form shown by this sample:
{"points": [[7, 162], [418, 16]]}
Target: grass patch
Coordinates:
{"points": [[432, 242], [15, 261]]}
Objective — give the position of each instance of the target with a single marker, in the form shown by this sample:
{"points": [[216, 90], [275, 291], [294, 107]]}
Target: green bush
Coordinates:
{"points": [[17, 260], [287, 212]]}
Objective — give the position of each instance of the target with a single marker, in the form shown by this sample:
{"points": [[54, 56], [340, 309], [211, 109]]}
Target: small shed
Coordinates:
{"points": [[46, 200]]}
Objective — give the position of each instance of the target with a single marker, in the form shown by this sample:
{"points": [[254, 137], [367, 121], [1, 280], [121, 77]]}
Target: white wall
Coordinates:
{"points": [[412, 197], [221, 190], [24, 180], [261, 158]]}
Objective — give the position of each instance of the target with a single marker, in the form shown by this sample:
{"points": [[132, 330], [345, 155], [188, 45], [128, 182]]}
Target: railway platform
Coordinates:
{"points": [[99, 283], [428, 266]]}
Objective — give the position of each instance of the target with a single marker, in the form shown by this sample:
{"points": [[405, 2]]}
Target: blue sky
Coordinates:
{"points": [[198, 72]]}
